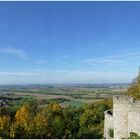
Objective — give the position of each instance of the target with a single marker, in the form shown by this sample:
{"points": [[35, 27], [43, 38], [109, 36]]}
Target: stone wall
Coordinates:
{"points": [[108, 123], [134, 119]]}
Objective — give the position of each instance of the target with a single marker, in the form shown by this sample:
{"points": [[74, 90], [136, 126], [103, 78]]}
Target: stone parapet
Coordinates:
{"points": [[125, 99]]}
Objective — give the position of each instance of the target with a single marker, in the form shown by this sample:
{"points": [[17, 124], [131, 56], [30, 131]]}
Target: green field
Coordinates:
{"points": [[65, 95]]}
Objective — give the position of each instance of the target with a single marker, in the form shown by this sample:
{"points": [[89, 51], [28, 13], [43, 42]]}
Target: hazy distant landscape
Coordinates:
{"points": [[66, 95]]}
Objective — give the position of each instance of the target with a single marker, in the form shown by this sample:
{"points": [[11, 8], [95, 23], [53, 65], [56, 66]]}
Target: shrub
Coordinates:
{"points": [[134, 135], [111, 133]]}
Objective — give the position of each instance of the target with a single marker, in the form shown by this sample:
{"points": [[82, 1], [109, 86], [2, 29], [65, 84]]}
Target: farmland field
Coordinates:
{"points": [[66, 95]]}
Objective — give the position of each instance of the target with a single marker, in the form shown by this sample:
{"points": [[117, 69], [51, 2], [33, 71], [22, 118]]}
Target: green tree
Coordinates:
{"points": [[91, 121], [71, 121]]}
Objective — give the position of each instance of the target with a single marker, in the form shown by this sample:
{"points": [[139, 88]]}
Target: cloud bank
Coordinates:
{"points": [[53, 77]]}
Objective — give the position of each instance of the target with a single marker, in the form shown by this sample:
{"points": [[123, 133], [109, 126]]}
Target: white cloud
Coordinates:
{"points": [[17, 73], [13, 51], [114, 60], [64, 76]]}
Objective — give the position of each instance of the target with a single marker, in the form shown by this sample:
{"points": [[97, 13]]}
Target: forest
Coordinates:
{"points": [[53, 121]]}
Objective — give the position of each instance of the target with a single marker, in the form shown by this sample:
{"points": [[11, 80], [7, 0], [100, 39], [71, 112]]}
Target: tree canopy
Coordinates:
{"points": [[55, 122], [134, 88]]}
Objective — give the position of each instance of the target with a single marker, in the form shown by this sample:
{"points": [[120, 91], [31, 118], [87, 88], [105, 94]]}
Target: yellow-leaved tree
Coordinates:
{"points": [[41, 125], [4, 126], [48, 120], [24, 123]]}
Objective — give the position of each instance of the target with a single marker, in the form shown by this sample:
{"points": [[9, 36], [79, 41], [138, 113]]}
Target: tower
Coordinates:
{"points": [[121, 107]]}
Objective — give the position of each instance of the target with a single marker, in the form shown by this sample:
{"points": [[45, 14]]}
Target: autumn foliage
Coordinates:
{"points": [[53, 121], [134, 88]]}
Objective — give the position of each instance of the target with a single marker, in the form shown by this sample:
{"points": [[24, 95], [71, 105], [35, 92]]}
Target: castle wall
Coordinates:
{"points": [[134, 119], [108, 124], [125, 118], [121, 107]]}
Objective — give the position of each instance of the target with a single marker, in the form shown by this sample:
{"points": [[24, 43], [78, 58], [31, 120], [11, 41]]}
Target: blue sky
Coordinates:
{"points": [[69, 42]]}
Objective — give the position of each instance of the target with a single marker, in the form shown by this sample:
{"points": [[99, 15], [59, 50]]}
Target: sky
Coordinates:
{"points": [[69, 42]]}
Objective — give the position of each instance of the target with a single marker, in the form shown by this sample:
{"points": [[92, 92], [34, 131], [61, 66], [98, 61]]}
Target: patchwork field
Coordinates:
{"points": [[74, 95]]}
